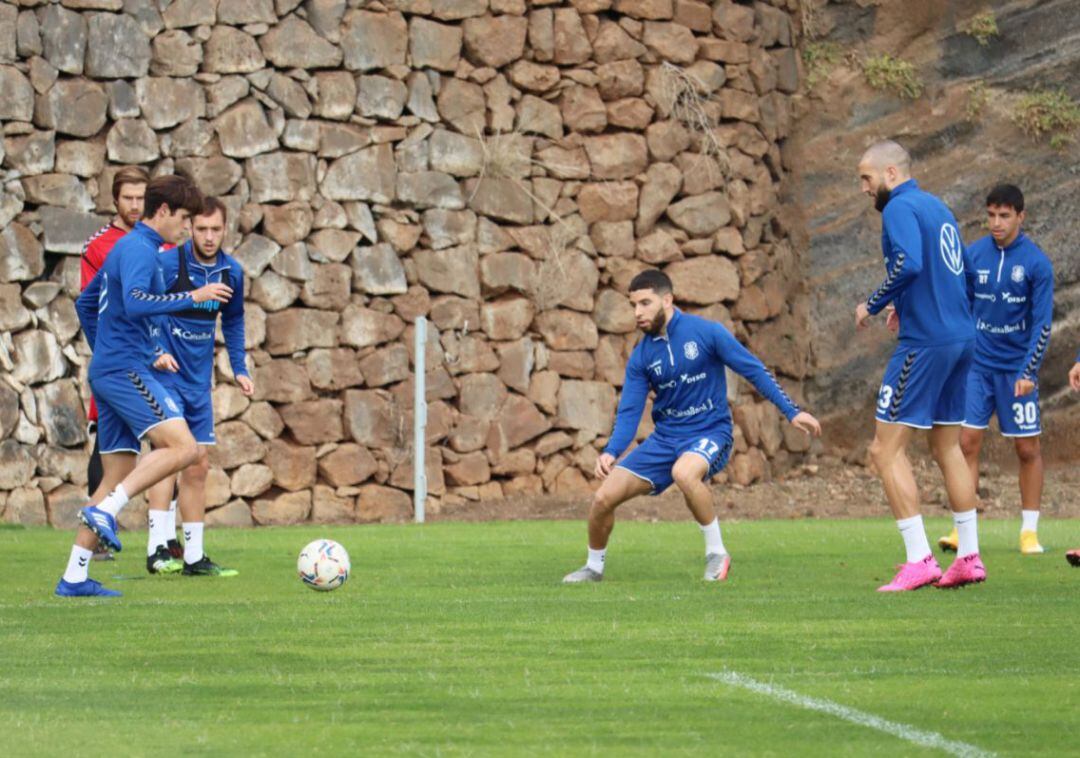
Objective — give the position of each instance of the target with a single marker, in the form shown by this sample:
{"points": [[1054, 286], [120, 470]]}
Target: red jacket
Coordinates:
{"points": [[94, 253]]}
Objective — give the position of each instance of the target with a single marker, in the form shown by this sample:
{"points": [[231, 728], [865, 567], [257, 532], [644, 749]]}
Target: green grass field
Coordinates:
{"points": [[457, 639]]}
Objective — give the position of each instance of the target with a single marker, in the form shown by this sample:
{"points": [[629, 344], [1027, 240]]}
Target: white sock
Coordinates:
{"points": [[967, 528], [159, 531], [170, 521], [596, 560], [114, 501], [1030, 521], [78, 568], [914, 534], [714, 543], [193, 547]]}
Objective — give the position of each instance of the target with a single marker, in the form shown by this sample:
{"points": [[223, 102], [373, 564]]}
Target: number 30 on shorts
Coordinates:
{"points": [[1025, 413]]}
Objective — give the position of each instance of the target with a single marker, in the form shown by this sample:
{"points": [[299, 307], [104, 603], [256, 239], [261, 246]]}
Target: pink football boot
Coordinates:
{"points": [[966, 570], [911, 576]]}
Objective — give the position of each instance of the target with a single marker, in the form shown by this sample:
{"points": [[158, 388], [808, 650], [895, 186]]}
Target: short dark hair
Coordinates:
{"points": [[173, 191], [128, 175], [212, 205], [652, 279], [1008, 195]]}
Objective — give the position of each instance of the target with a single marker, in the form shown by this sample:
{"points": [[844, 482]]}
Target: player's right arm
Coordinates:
{"points": [[904, 259], [628, 416], [86, 307], [138, 273]]}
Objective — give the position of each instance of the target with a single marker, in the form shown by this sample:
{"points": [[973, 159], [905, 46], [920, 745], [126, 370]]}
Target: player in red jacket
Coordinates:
{"points": [[128, 191]]}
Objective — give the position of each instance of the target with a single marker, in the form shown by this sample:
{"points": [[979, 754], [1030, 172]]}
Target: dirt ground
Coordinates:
{"points": [[827, 488]]}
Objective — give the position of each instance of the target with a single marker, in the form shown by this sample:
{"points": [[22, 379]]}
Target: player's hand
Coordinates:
{"points": [[604, 463], [804, 422], [213, 291], [892, 321], [1074, 376], [165, 362], [1023, 387], [862, 315], [246, 385]]}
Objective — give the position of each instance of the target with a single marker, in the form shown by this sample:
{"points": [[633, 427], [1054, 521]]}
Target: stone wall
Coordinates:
{"points": [[499, 167]]}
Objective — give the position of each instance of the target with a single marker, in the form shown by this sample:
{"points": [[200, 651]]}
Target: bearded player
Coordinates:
{"points": [[185, 367], [681, 360]]}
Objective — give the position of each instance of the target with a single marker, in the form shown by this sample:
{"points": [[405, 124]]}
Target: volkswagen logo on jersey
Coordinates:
{"points": [[951, 251], [690, 350], [1018, 274]]}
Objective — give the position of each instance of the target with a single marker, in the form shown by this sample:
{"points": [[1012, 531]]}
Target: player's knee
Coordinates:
{"points": [[604, 501], [686, 478], [1028, 449], [878, 452], [187, 452], [970, 444], [200, 468]]}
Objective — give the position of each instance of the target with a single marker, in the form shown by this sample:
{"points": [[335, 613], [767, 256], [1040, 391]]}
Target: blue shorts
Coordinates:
{"points": [[130, 403], [654, 458], [924, 386], [196, 406], [990, 392]]}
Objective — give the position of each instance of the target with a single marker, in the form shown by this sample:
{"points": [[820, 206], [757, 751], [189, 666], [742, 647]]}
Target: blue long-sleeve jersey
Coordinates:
{"points": [[1014, 304], [927, 275], [188, 335], [116, 308], [684, 368]]}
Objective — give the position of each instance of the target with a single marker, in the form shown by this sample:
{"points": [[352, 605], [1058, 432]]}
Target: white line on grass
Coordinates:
{"points": [[862, 718]]}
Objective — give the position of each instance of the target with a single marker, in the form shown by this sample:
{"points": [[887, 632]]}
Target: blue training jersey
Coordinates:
{"points": [[188, 335], [116, 308], [684, 368], [1014, 303], [927, 273]]}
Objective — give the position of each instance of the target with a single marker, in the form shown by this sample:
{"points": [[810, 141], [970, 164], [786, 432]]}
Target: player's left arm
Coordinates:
{"points": [[232, 327], [905, 260], [1042, 312], [731, 352], [86, 307]]}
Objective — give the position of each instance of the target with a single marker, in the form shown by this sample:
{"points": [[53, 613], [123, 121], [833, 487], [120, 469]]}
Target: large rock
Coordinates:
{"points": [[281, 176], [434, 45], [348, 465], [495, 41], [337, 94], [368, 174], [662, 183], [64, 38], [617, 156], [29, 154], [66, 230], [505, 271], [381, 97], [186, 13], [461, 104], [429, 189], [116, 47], [63, 504], [588, 406], [292, 43], [16, 465], [233, 514], [671, 42], [60, 411], [21, 255], [280, 381], [518, 422], [25, 505], [244, 131], [236, 445], [701, 215], [333, 369], [73, 106], [294, 466], [231, 51], [645, 9], [16, 95], [13, 317], [361, 327], [329, 288], [371, 418], [377, 270], [705, 280], [131, 141], [376, 503], [453, 270], [506, 319], [289, 223], [614, 313], [504, 199], [454, 153], [374, 40], [583, 110], [327, 507], [296, 329], [567, 330], [57, 189], [255, 254], [608, 201], [571, 42], [315, 421], [386, 366], [286, 509], [37, 357]]}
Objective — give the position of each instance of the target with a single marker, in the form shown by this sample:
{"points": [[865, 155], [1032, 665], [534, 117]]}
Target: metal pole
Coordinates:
{"points": [[419, 422]]}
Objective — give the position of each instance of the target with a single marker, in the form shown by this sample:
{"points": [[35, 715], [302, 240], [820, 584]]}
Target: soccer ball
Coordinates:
{"points": [[323, 565]]}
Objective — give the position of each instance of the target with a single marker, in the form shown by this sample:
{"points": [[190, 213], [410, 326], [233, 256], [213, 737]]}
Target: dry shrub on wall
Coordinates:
{"points": [[686, 97]]}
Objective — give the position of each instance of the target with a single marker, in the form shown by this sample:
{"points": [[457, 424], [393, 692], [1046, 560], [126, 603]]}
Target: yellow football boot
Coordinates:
{"points": [[1029, 543], [950, 543]]}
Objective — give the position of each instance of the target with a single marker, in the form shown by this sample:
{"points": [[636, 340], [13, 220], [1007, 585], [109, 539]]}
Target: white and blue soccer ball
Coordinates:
{"points": [[323, 565]]}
